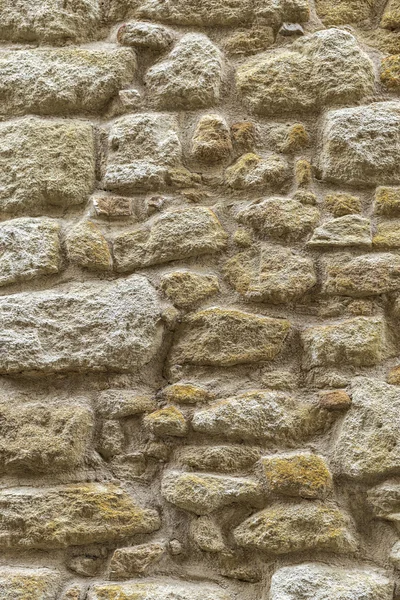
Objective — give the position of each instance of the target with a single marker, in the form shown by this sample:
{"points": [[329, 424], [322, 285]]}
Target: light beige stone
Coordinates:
{"points": [[18, 583], [157, 590], [166, 421], [225, 337], [387, 235], [88, 248], [145, 36], [174, 235], [186, 288], [207, 535], [385, 501], [350, 230], [63, 80], [251, 172], [325, 68], [130, 562], [36, 169], [223, 459], [344, 11], [29, 248], [119, 404], [71, 515]]}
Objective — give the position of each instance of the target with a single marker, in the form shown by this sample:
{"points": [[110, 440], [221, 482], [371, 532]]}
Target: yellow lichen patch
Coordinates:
{"points": [[166, 421], [243, 136], [340, 12], [394, 376], [342, 204], [387, 201], [391, 16], [390, 72], [296, 139], [305, 197], [249, 41], [303, 172], [186, 288], [211, 141], [186, 393], [387, 235], [305, 475], [251, 171], [88, 248], [182, 178]]}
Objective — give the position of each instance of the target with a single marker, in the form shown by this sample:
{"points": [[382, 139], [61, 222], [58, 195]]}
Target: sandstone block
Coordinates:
{"points": [[249, 41], [366, 445], [268, 417], [190, 76], [43, 438], [174, 235], [303, 474], [391, 15], [88, 248], [166, 421], [145, 36], [186, 288], [130, 562], [31, 584], [350, 154], [157, 590], [223, 459], [107, 326], [211, 140], [119, 404], [29, 248], [141, 150], [342, 204], [350, 230], [36, 169], [186, 393], [344, 11], [364, 275], [387, 236], [359, 342], [71, 515], [207, 535], [63, 80], [280, 218], [202, 493], [270, 274], [284, 528], [390, 72], [225, 337], [385, 500], [48, 22], [315, 581], [323, 69], [251, 172]]}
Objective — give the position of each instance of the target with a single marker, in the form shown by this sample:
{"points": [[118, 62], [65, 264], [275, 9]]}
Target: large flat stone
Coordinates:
{"points": [[350, 153], [70, 515], [315, 581], [225, 337], [29, 584], [62, 80], [36, 169], [157, 590], [366, 444], [93, 326], [29, 248]]}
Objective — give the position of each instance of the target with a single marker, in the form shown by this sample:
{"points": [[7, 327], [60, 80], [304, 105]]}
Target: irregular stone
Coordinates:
{"points": [[211, 140], [350, 230], [303, 172], [29, 584], [342, 204], [130, 562], [207, 535], [358, 276], [359, 342], [385, 501], [315, 581], [270, 417], [350, 154], [112, 207], [42, 438], [87, 247], [284, 528], [395, 556], [119, 404], [394, 376], [226, 337], [323, 69], [387, 235], [296, 138], [190, 76], [74, 592], [225, 13], [48, 22], [305, 197], [387, 201], [280, 218], [366, 445], [243, 135], [174, 235], [166, 421], [291, 29], [388, 42], [36, 169], [202, 493], [145, 36], [29, 248], [390, 72], [251, 172], [302, 475], [110, 441], [157, 590], [141, 150], [334, 400], [249, 41], [63, 80], [236, 565], [185, 393], [186, 289], [85, 565], [223, 459], [270, 274], [344, 11], [71, 515], [391, 15], [103, 326]]}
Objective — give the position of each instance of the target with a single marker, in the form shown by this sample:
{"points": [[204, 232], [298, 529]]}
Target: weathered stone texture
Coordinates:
{"points": [[157, 590], [33, 584], [93, 327], [304, 475]]}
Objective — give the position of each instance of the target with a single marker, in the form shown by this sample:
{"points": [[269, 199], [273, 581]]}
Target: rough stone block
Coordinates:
{"points": [[130, 562], [157, 590], [350, 230], [251, 172], [186, 288], [29, 584]]}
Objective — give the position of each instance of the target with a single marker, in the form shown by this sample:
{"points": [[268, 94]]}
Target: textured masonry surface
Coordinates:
{"points": [[199, 299]]}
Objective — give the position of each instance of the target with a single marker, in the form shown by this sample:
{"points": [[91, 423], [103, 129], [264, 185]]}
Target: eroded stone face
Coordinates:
{"points": [[317, 581], [70, 515], [65, 80], [350, 230], [36, 169], [109, 326], [323, 69], [157, 590], [23, 583]]}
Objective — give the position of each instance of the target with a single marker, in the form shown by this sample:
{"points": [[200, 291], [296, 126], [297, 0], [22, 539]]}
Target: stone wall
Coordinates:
{"points": [[200, 299]]}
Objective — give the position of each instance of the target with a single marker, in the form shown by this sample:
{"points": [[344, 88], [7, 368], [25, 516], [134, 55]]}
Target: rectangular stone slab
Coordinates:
{"points": [[93, 326], [157, 590]]}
